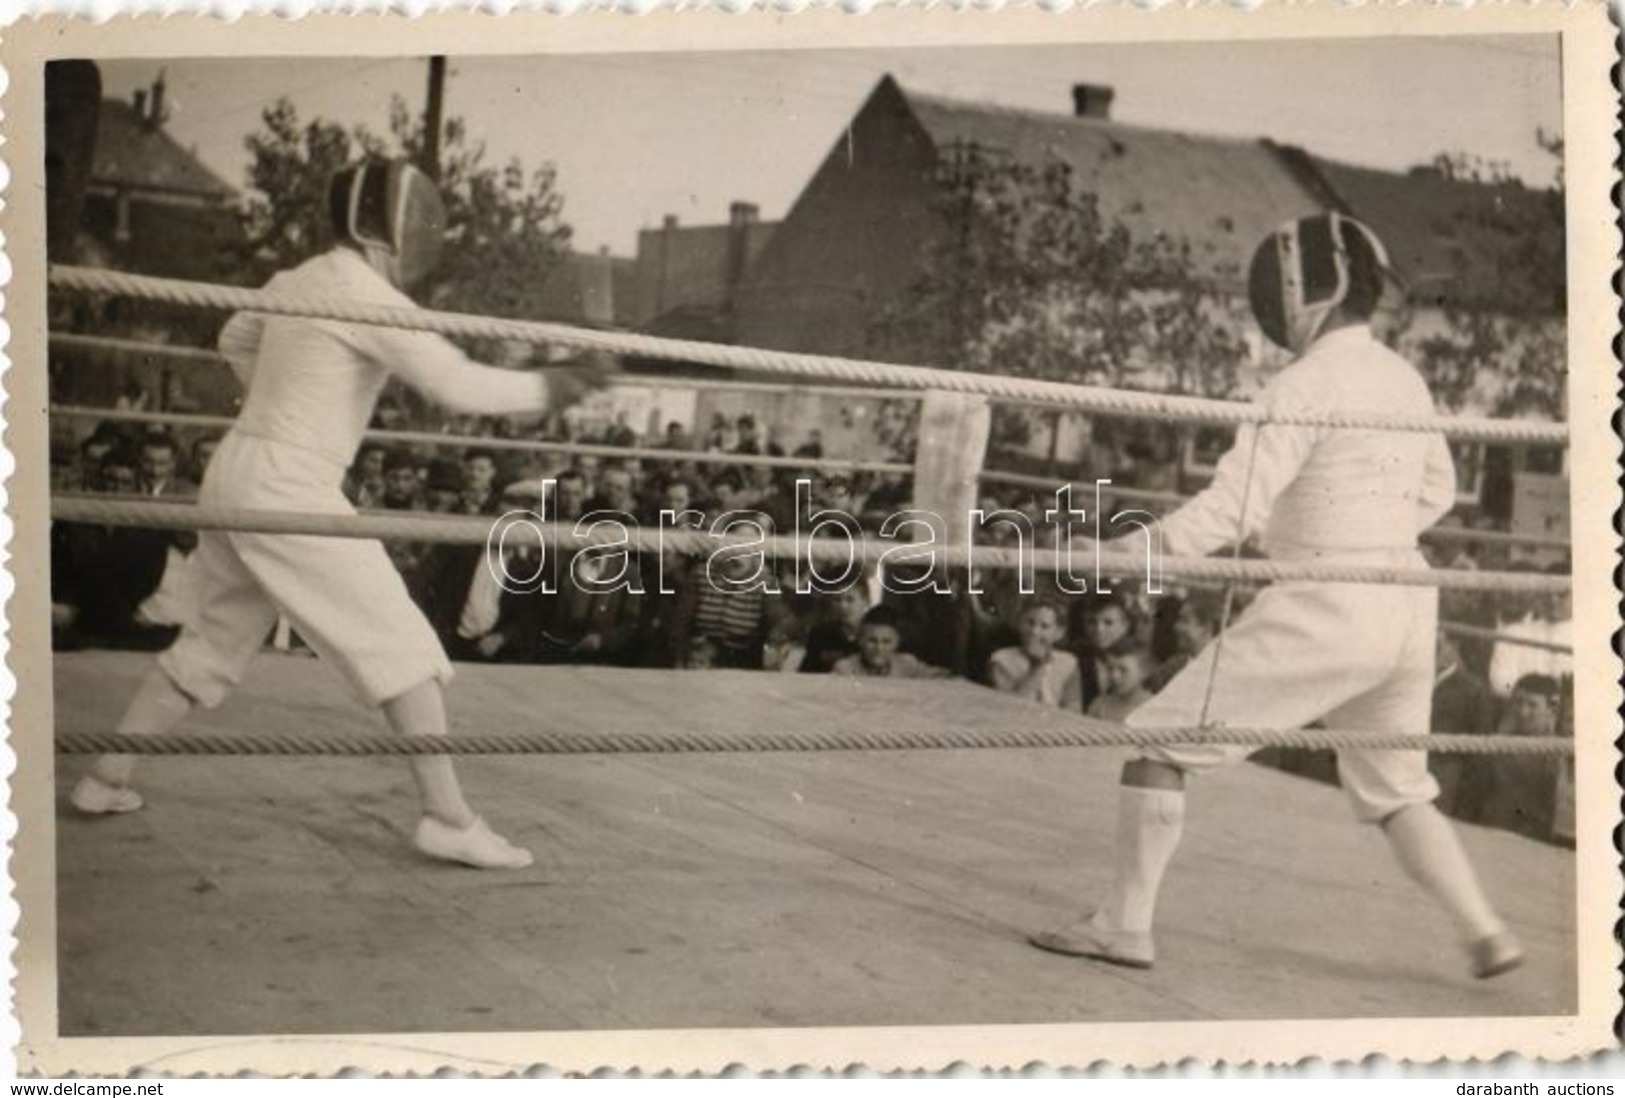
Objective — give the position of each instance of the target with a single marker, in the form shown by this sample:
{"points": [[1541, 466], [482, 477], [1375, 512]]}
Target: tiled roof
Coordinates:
{"points": [[1455, 242], [1218, 194], [133, 153], [1460, 243]]}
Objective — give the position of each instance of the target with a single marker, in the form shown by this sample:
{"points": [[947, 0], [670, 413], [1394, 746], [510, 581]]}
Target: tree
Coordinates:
{"points": [[1502, 350], [504, 226], [1026, 276]]}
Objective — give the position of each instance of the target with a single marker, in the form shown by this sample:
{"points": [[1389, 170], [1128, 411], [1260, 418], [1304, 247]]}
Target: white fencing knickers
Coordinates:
{"points": [[343, 595], [1354, 656]]}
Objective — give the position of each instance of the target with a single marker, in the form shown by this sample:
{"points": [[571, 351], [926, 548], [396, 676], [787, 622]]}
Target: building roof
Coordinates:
{"points": [[685, 270], [1218, 194], [1460, 243], [133, 152], [1453, 241], [588, 288]]}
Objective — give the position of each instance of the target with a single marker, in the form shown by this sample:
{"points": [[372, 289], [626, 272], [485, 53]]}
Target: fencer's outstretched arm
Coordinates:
{"points": [[425, 361], [440, 371]]}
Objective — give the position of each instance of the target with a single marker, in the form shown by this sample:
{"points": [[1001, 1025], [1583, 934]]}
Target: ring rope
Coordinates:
{"points": [[707, 457], [891, 739], [1462, 629], [482, 442], [71, 341], [1157, 406], [1433, 533], [474, 530]]}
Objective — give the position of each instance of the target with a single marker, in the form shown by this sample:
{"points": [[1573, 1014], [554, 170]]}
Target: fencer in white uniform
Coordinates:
{"points": [[1354, 656], [311, 387]]}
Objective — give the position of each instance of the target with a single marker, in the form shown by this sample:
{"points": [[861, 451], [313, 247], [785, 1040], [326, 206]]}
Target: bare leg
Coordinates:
{"points": [[421, 711], [449, 829], [1428, 849], [158, 706]]}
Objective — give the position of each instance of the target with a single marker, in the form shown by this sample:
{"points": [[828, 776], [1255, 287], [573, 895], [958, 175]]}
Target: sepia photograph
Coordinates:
{"points": [[988, 534]]}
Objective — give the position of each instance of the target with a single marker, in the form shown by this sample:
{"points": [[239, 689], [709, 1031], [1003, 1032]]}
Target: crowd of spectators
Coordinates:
{"points": [[1098, 654]]}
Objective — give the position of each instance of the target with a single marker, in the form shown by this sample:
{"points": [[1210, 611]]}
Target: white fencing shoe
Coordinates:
{"points": [[1087, 938], [1495, 954], [94, 797], [475, 845]]}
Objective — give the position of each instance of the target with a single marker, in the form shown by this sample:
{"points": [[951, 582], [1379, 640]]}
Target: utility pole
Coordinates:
{"points": [[432, 116]]}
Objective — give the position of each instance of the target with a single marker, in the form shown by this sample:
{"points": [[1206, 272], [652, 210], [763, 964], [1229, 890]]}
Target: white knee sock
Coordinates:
{"points": [[158, 706], [1149, 825], [1430, 852]]}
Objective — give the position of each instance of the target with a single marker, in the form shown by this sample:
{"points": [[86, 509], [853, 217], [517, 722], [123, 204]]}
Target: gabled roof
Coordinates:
{"points": [[1454, 242], [133, 153], [1220, 195]]}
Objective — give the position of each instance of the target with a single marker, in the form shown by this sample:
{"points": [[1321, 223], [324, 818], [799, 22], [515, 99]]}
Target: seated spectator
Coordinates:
{"points": [[480, 496], [814, 446], [1463, 704], [880, 639], [403, 491], [364, 483], [677, 497], [837, 636], [1036, 669], [86, 473], [1127, 662], [571, 492], [892, 493], [160, 468], [1525, 793], [834, 493], [1101, 622], [727, 494], [203, 450], [760, 490], [784, 649], [732, 617], [101, 575], [578, 623], [699, 655], [1195, 624], [676, 437], [1534, 708], [443, 487], [620, 433], [616, 492], [668, 583]]}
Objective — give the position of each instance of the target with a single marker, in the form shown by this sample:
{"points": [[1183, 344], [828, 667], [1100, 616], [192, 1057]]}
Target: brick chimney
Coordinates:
{"points": [[741, 216], [158, 116], [1092, 101]]}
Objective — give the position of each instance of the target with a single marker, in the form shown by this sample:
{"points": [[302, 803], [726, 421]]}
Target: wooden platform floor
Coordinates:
{"points": [[264, 896]]}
